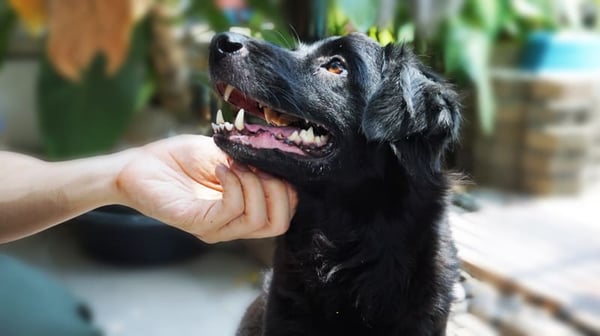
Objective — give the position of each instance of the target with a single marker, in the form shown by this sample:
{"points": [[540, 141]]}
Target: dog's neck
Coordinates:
{"points": [[353, 234]]}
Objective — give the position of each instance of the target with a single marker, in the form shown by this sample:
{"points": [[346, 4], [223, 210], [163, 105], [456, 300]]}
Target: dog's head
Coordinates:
{"points": [[329, 107]]}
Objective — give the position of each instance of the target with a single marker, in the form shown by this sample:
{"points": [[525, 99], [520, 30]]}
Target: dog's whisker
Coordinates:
{"points": [[295, 36], [288, 44]]}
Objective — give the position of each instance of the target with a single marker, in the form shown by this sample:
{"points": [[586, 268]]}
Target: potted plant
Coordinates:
{"points": [[95, 73]]}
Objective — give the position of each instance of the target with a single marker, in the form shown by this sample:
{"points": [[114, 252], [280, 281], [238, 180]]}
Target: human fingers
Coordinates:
{"points": [[255, 207], [292, 198], [220, 212], [279, 209]]}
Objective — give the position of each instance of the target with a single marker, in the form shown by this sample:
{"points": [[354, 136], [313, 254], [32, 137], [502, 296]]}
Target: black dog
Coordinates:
{"points": [[360, 131]]}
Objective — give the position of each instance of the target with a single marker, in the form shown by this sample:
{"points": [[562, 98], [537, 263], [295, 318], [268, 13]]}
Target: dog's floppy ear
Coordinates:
{"points": [[412, 109]]}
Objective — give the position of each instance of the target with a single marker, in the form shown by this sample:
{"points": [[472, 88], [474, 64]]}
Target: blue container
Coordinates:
{"points": [[565, 51]]}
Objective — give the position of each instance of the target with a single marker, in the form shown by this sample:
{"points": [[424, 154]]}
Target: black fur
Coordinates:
{"points": [[369, 250]]}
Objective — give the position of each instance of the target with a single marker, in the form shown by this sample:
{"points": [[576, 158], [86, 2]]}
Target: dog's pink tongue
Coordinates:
{"points": [[265, 140], [284, 132]]}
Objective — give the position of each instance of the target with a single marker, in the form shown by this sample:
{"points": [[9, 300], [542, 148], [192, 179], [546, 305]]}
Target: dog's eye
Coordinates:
{"points": [[335, 66]]}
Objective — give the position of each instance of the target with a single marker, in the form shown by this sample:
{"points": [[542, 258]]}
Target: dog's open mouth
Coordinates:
{"points": [[273, 129]]}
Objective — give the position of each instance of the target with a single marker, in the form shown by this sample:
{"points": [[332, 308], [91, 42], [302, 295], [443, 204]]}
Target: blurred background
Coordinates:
{"points": [[84, 77]]}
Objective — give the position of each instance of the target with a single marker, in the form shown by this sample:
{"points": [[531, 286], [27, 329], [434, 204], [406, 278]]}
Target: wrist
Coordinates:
{"points": [[91, 182], [115, 179]]}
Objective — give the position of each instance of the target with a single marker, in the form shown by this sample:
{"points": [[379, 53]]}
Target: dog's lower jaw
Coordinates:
{"points": [[348, 270]]}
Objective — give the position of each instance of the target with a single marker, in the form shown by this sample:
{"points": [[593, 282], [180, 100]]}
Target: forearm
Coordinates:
{"points": [[35, 195]]}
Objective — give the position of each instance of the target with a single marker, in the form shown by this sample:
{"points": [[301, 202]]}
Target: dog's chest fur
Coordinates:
{"points": [[357, 262]]}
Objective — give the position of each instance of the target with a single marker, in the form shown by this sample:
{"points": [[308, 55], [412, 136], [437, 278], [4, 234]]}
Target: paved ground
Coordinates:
{"points": [[203, 296], [546, 249], [208, 294]]}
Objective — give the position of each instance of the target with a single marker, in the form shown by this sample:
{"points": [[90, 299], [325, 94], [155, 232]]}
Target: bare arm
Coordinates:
{"points": [[35, 195], [181, 181]]}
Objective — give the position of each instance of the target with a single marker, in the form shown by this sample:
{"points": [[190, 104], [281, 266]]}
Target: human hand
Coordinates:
{"points": [[185, 182]]}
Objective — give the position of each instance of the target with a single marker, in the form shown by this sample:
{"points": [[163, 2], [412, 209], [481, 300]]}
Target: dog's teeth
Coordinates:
{"points": [[295, 137], [229, 126], [310, 134], [227, 93], [215, 128], [239, 120], [307, 136], [270, 116], [319, 140], [220, 120], [275, 118]]}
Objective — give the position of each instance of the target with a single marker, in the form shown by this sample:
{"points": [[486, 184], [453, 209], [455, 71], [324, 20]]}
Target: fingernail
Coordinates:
{"points": [[263, 175], [240, 167], [221, 170]]}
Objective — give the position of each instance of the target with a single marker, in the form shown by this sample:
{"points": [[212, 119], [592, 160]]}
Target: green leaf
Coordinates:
{"points": [[484, 13], [90, 116], [372, 33], [406, 33], [278, 37], [475, 62], [268, 8], [336, 20], [270, 11], [535, 14], [209, 12], [453, 45], [508, 24], [486, 105], [467, 51], [528, 9], [361, 14], [146, 92], [385, 37], [8, 19]]}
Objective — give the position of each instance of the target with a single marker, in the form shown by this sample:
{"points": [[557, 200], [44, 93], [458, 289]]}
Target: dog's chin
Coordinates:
{"points": [[295, 167]]}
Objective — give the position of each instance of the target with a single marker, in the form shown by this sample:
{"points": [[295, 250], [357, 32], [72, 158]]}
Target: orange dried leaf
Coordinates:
{"points": [[32, 13], [80, 29], [115, 19]]}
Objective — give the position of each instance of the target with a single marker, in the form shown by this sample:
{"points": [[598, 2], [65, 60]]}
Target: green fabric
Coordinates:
{"points": [[32, 304]]}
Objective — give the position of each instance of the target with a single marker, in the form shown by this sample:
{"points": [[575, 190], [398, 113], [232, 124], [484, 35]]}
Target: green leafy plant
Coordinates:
{"points": [[89, 116], [461, 43], [459, 46], [261, 11]]}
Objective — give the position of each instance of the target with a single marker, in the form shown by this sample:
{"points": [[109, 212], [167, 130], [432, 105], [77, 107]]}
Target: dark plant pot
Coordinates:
{"points": [[122, 236]]}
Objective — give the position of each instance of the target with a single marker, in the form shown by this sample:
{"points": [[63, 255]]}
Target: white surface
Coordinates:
{"points": [[203, 296]]}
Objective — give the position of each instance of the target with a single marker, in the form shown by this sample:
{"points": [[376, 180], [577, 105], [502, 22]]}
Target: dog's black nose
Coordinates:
{"points": [[224, 44]]}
